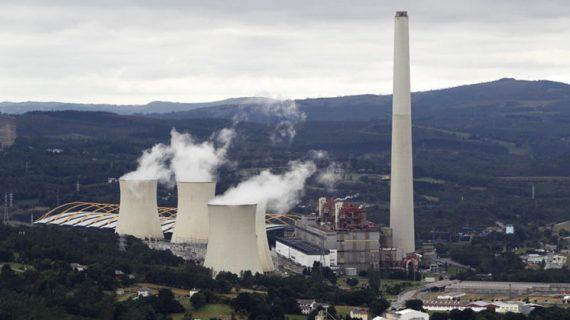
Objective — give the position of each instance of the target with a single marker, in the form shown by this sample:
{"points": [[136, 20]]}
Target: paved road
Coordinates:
{"points": [[412, 293], [454, 263]]}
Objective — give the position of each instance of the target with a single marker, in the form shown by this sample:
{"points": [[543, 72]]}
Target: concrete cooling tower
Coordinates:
{"points": [[262, 243], [401, 178], [232, 241], [192, 217], [138, 211]]}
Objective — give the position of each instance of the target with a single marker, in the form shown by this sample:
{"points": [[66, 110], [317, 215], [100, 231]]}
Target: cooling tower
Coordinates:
{"points": [[262, 244], [232, 241], [192, 217], [401, 185], [138, 212]]}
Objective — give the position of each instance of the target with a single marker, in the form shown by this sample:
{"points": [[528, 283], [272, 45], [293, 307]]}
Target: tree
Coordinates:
{"points": [[374, 280], [378, 306], [439, 316], [198, 301], [415, 304], [353, 282], [165, 302]]}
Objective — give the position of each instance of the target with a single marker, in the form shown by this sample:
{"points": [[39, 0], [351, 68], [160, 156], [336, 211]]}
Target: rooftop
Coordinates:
{"points": [[303, 246]]}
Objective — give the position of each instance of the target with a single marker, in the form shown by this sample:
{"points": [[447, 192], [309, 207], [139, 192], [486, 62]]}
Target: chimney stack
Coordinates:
{"points": [[402, 185]]}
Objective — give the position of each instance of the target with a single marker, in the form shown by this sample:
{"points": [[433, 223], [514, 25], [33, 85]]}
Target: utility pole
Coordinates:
{"points": [[5, 219]]}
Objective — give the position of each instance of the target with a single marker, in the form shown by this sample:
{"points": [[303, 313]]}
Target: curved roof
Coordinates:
{"points": [[105, 216]]}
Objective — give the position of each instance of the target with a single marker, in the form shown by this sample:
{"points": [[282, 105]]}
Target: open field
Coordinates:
{"points": [[219, 311]]}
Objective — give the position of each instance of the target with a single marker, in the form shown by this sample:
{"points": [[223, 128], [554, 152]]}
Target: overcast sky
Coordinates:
{"points": [[127, 51]]}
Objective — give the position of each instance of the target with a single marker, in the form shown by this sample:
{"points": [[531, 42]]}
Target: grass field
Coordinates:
{"points": [[221, 311]]}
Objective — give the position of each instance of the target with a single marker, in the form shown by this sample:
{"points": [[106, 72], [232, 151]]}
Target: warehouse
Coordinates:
{"points": [[304, 253]]}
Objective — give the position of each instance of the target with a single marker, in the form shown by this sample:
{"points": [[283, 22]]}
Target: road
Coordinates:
{"points": [[412, 293]]}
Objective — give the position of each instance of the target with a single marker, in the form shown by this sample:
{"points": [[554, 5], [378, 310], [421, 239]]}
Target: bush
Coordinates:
{"points": [[353, 282], [198, 300]]}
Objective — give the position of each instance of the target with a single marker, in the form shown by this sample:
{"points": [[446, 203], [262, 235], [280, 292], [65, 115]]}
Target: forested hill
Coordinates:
{"points": [[504, 95]]}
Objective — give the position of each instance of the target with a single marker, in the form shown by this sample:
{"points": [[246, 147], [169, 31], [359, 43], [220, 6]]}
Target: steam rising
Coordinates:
{"points": [[282, 115], [193, 161], [185, 158], [152, 165], [330, 176], [280, 192]]}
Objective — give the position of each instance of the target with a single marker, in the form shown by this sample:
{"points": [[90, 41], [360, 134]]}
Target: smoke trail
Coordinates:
{"points": [[194, 161], [330, 176], [282, 115], [280, 192], [152, 165]]}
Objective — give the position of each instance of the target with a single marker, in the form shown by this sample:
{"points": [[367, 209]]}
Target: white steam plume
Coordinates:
{"points": [[198, 162], [280, 192], [330, 175], [283, 115], [185, 158], [152, 165]]}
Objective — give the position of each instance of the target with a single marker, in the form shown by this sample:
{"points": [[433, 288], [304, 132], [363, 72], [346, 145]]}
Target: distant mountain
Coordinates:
{"points": [[506, 92], [155, 107]]}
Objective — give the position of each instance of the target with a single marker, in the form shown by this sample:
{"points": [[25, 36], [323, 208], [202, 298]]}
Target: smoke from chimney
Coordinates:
{"points": [[280, 192]]}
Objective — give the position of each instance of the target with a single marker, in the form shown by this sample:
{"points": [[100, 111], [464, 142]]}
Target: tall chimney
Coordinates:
{"points": [[402, 185]]}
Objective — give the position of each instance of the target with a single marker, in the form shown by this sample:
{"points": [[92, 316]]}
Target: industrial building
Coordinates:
{"points": [[138, 211], [232, 239], [508, 288], [304, 253], [192, 216], [342, 227]]}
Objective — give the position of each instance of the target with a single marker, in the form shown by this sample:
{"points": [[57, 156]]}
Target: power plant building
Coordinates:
{"points": [[401, 178], [304, 253], [192, 218], [342, 227], [138, 210], [232, 240]]}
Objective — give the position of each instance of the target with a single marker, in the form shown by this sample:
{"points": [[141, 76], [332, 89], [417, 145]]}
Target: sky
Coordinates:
{"points": [[135, 52]]}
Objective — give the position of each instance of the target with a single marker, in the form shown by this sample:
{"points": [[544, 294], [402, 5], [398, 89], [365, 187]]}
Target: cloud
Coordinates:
{"points": [[136, 51]]}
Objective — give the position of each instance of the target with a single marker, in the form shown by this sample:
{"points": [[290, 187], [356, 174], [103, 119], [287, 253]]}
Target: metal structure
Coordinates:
{"points": [[401, 179], [232, 239], [105, 216], [192, 218], [138, 210]]}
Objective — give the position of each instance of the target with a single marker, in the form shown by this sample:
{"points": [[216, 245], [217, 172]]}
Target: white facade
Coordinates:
{"points": [[305, 259], [407, 314], [401, 184], [232, 241], [138, 211], [262, 243], [504, 307], [192, 216]]}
